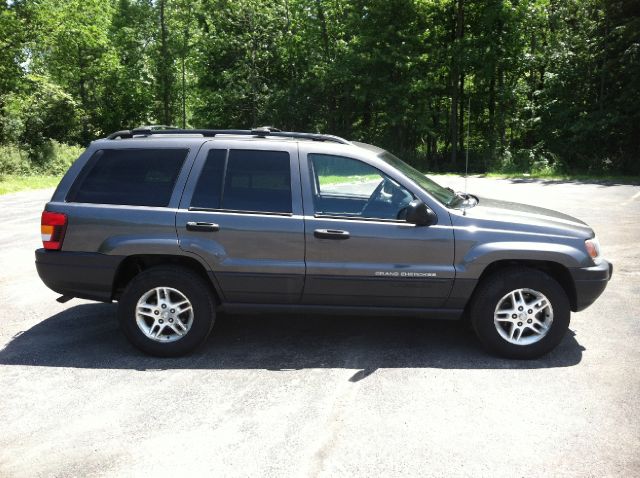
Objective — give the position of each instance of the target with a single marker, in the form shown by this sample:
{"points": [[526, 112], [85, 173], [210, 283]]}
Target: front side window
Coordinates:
{"points": [[136, 177], [348, 187], [245, 180]]}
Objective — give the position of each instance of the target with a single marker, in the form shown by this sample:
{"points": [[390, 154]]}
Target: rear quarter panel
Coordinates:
{"points": [[121, 229]]}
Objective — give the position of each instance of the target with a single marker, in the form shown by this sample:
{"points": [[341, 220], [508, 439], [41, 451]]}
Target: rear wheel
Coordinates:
{"points": [[167, 311], [520, 313]]}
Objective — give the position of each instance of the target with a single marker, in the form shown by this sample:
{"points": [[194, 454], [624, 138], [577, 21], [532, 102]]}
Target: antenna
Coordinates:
{"points": [[466, 161]]}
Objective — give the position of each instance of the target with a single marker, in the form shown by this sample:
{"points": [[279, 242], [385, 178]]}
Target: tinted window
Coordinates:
{"points": [[209, 188], [337, 174], [254, 181], [138, 177], [348, 187]]}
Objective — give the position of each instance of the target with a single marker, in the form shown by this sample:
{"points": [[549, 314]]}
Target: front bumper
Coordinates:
{"points": [[85, 275], [590, 283]]}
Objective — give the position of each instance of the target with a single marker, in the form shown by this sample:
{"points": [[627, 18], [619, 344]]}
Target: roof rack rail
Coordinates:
{"points": [[261, 132], [157, 127], [271, 129]]}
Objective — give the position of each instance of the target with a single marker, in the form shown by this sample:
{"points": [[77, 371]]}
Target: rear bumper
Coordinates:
{"points": [[78, 274], [590, 283]]}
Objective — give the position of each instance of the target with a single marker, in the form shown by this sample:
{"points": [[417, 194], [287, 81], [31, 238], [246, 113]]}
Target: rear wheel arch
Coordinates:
{"points": [[133, 265], [555, 270]]}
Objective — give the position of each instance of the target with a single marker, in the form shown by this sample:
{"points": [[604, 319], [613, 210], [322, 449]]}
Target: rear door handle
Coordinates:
{"points": [[331, 234], [202, 226]]}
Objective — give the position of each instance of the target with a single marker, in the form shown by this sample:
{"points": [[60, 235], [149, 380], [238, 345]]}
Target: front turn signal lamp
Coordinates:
{"points": [[52, 229], [593, 248]]}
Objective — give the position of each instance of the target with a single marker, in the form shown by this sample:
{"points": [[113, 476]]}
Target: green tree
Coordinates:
{"points": [[11, 49], [239, 66], [71, 46], [551, 85], [130, 84], [11, 55]]}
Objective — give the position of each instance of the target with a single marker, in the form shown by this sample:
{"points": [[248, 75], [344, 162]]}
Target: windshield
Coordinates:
{"points": [[444, 195]]}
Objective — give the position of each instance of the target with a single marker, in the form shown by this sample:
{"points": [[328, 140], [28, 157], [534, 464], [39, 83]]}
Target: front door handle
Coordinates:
{"points": [[202, 226], [331, 234]]}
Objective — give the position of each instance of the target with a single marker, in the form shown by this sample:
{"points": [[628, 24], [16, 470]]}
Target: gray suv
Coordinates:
{"points": [[178, 225]]}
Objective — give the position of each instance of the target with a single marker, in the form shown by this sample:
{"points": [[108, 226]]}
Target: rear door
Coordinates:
{"points": [[360, 251], [241, 212]]}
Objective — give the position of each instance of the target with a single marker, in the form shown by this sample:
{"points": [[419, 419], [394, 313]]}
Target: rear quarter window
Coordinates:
{"points": [[135, 177]]}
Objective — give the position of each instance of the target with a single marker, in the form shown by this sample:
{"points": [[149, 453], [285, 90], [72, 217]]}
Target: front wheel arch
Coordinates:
{"points": [[487, 319], [555, 270]]}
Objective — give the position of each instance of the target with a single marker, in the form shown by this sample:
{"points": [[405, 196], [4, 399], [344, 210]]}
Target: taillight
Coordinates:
{"points": [[52, 228]]}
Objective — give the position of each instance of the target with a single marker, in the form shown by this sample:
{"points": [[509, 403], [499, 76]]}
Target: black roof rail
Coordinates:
{"points": [[210, 133]]}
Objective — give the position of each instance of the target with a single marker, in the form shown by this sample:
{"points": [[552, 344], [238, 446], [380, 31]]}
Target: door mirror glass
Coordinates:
{"points": [[419, 214]]}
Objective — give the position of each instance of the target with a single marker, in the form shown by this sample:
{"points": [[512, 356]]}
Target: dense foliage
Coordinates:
{"points": [[543, 84]]}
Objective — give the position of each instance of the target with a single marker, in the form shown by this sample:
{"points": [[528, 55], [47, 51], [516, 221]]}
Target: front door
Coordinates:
{"points": [[243, 216], [359, 249]]}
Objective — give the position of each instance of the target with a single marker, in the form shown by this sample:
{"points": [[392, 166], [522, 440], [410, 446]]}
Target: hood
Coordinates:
{"points": [[526, 218]]}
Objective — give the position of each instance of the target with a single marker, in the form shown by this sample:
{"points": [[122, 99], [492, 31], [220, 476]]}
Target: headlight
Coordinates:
{"points": [[593, 248]]}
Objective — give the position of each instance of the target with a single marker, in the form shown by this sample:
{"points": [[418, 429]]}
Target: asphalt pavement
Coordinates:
{"points": [[322, 396]]}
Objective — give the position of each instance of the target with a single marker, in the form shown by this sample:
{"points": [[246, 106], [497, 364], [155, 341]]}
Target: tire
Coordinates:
{"points": [[506, 330], [167, 311]]}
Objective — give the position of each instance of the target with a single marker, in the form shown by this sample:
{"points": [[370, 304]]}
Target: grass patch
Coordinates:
{"points": [[605, 178], [567, 177], [12, 183], [326, 180]]}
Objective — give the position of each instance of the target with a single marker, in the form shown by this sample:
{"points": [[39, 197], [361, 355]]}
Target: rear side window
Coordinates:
{"points": [[245, 180], [136, 177]]}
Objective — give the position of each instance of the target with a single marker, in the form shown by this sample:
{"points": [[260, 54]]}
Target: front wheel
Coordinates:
{"points": [[520, 313], [166, 311]]}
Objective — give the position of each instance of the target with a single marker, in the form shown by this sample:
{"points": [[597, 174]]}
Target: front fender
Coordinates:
{"points": [[477, 258]]}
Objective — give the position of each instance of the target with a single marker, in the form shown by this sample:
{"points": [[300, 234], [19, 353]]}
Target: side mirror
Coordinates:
{"points": [[419, 214]]}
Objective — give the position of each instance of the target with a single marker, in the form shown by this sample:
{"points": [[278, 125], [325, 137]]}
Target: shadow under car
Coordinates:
{"points": [[87, 336]]}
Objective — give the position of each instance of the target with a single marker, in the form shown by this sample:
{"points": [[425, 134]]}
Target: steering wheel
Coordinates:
{"points": [[377, 191], [374, 195], [398, 196]]}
